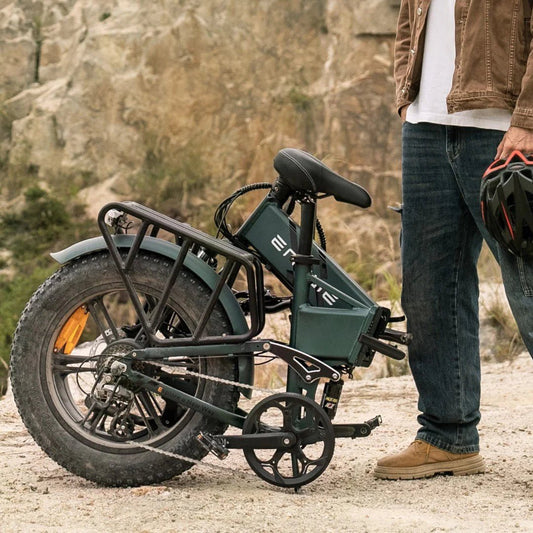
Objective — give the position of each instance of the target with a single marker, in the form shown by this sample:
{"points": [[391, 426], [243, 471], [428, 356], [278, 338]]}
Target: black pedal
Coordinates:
{"points": [[355, 431], [212, 445], [374, 422]]}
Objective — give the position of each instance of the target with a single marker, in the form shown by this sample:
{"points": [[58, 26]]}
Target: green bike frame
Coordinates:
{"points": [[330, 311]]}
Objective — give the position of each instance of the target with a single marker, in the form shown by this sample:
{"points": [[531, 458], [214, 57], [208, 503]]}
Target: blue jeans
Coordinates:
{"points": [[442, 234]]}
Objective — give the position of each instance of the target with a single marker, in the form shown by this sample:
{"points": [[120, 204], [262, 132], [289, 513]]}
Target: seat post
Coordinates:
{"points": [[307, 226], [302, 262]]}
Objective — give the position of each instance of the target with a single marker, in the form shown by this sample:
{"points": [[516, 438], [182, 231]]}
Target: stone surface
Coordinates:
{"points": [[98, 88]]}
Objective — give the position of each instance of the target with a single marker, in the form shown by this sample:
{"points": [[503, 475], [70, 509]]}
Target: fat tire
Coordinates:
{"points": [[40, 321]]}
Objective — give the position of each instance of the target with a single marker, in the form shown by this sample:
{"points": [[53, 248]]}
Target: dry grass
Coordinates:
{"points": [[500, 338], [273, 374]]}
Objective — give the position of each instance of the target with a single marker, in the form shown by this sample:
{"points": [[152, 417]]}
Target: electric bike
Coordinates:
{"points": [[129, 362]]}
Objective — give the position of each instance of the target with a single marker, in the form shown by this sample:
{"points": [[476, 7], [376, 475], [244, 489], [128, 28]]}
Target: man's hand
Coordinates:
{"points": [[515, 139]]}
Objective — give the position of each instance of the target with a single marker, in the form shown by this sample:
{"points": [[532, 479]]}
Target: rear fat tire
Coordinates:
{"points": [[47, 407]]}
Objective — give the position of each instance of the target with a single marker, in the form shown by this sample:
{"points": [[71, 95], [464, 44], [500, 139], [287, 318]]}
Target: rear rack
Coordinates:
{"points": [[190, 242]]}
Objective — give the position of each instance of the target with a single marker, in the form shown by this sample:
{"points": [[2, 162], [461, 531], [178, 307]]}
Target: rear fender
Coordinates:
{"points": [[194, 264]]}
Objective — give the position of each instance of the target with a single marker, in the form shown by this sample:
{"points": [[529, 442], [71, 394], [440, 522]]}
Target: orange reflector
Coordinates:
{"points": [[70, 334]]}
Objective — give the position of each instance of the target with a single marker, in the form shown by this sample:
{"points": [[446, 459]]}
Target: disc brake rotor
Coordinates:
{"points": [[315, 440]]}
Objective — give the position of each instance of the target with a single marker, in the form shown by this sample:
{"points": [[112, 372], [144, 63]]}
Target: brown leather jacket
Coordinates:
{"points": [[494, 59]]}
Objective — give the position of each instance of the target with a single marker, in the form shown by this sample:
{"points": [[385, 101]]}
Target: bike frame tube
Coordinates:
{"points": [[302, 270], [305, 248]]}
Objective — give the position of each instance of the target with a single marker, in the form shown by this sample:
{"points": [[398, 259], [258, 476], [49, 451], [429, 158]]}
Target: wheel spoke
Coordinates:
{"points": [[154, 424], [273, 463], [145, 420], [63, 364], [102, 318], [295, 465], [276, 458], [65, 370]]}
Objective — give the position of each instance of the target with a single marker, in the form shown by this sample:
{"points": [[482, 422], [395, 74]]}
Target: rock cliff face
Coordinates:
{"points": [[93, 91]]}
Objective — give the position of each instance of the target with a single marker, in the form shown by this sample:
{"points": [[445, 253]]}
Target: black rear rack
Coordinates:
{"points": [[190, 241]]}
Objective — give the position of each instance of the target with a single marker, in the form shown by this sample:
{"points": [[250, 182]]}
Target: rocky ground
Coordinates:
{"points": [[37, 495]]}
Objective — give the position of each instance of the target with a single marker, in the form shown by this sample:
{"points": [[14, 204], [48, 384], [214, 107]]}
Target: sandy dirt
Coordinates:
{"points": [[37, 495]]}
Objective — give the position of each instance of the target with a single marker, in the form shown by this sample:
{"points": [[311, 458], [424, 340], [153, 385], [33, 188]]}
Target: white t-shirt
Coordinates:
{"points": [[437, 71]]}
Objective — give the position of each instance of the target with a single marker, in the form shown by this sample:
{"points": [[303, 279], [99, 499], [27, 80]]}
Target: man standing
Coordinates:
{"points": [[464, 77]]}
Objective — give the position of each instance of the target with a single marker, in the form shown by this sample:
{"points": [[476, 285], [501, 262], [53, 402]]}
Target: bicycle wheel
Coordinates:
{"points": [[79, 318]]}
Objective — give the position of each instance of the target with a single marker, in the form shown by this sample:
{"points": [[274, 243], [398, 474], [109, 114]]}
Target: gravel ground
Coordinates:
{"points": [[37, 495]]}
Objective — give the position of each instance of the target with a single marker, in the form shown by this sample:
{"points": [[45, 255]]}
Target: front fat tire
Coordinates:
{"points": [[34, 383]]}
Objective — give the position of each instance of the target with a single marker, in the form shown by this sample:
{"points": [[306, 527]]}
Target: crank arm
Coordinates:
{"points": [[220, 445], [260, 441]]}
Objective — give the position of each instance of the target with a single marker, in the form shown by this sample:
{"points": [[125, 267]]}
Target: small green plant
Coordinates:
{"points": [[14, 294], [38, 38], [301, 101], [40, 223], [5, 132], [46, 221], [69, 185]]}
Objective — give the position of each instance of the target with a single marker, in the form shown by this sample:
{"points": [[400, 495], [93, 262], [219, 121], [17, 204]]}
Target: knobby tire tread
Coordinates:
{"points": [[106, 468]]}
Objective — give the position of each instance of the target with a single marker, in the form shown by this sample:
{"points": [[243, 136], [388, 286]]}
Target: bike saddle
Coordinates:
{"points": [[303, 172]]}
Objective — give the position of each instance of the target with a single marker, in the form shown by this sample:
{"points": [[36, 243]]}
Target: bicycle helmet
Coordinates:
{"points": [[507, 203]]}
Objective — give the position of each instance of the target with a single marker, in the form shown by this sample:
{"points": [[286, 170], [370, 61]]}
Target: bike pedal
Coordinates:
{"points": [[212, 445], [354, 431], [374, 422]]}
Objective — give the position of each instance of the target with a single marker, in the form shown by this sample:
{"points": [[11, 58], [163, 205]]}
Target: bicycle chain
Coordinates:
{"points": [[183, 457], [229, 382], [190, 459]]}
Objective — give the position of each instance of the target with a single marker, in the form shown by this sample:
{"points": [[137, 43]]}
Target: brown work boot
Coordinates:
{"points": [[421, 459]]}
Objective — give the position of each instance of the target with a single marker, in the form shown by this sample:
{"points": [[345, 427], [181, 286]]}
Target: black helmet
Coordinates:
{"points": [[507, 203]]}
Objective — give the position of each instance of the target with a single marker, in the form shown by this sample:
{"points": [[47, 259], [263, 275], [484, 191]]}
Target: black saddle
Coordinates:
{"points": [[305, 173]]}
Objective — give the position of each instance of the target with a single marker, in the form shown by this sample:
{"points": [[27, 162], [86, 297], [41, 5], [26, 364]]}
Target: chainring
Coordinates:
{"points": [[315, 440]]}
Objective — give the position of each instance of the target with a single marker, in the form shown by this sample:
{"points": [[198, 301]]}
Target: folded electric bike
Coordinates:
{"points": [[128, 363]]}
